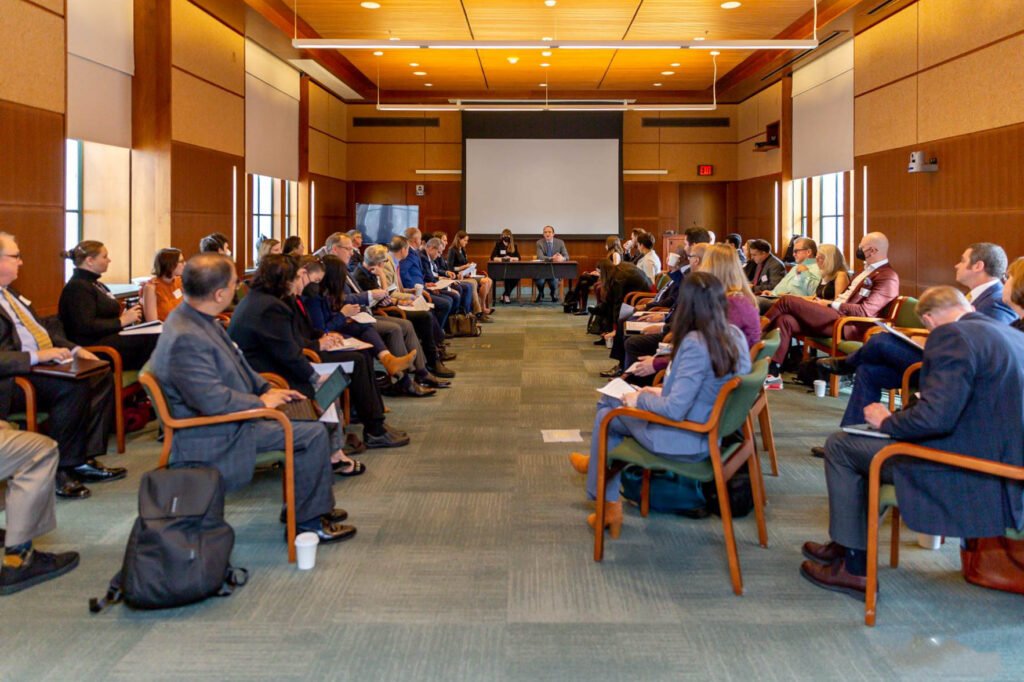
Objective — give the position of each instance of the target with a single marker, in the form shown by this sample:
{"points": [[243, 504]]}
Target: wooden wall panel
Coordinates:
{"points": [[373, 134], [885, 118], [32, 56], [319, 153], [206, 115], [338, 158], [331, 208], [207, 48], [393, 162], [681, 161], [448, 130], [231, 12], [337, 117], [952, 27], [319, 108], [201, 195], [750, 208], [886, 52], [32, 197]]}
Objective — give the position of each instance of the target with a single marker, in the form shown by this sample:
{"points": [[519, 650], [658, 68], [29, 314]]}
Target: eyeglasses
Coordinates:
{"points": [[15, 256]]}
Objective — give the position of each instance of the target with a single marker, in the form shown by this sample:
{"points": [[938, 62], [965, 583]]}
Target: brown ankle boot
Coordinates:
{"points": [[579, 461], [612, 518], [396, 365]]}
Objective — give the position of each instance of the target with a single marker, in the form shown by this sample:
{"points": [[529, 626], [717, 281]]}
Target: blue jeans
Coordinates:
{"points": [[617, 431], [465, 291], [442, 308], [880, 364], [538, 286]]}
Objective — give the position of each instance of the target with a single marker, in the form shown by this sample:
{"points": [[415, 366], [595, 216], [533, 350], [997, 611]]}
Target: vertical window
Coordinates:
{"points": [[831, 209], [798, 189], [262, 210], [72, 199]]}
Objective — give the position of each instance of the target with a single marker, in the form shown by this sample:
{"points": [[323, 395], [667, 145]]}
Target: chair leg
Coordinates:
{"points": [[119, 414], [757, 488], [645, 494], [892, 399], [730, 537], [833, 386], [764, 419], [894, 541]]}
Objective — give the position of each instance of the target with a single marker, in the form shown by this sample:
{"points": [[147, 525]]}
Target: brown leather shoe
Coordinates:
{"points": [[835, 578], [824, 554]]}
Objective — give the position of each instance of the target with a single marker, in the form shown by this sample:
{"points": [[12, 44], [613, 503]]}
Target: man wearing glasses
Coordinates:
{"points": [[801, 280]]}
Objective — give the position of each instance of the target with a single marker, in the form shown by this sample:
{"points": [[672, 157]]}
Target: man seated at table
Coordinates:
{"points": [[868, 295], [972, 402], [550, 250], [801, 280], [203, 374]]}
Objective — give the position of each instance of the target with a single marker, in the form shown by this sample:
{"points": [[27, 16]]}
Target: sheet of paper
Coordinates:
{"points": [[866, 430], [561, 435], [634, 327], [393, 287], [469, 271], [418, 303], [364, 318], [355, 344], [616, 388], [323, 368], [664, 349], [898, 334], [626, 311], [330, 415], [154, 327], [444, 282]]}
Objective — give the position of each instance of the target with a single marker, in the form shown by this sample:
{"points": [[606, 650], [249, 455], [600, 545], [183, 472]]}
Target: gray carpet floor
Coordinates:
{"points": [[473, 561]]}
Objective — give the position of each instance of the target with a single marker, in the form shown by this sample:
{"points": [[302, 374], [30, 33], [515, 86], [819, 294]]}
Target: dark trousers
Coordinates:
{"points": [[538, 286], [880, 364], [581, 293], [465, 293], [847, 463], [365, 398], [424, 323], [793, 315], [510, 286], [442, 307], [134, 349], [81, 413], [640, 344], [313, 476]]}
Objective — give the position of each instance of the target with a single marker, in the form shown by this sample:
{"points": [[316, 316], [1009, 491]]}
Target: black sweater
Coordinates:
{"points": [[87, 309]]}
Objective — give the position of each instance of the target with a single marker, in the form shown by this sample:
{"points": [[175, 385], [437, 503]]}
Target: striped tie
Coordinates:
{"points": [[37, 332]]}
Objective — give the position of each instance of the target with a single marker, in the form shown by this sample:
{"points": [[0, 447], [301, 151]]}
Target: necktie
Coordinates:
{"points": [[549, 249], [969, 297], [37, 332]]}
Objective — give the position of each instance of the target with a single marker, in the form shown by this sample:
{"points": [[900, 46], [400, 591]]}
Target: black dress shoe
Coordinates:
{"points": [[326, 529], [439, 370], [837, 366], [414, 390], [94, 472], [612, 371], [397, 433], [818, 451], [432, 381], [538, 298], [384, 440], [68, 487], [36, 568], [336, 515]]}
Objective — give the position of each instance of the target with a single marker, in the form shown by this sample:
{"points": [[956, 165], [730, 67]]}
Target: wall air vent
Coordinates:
{"points": [[880, 7], [394, 122]]}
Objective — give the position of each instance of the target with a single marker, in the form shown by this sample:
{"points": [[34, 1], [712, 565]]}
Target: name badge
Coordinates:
{"points": [[502, 252], [177, 293], [24, 300], [865, 292], [764, 278]]}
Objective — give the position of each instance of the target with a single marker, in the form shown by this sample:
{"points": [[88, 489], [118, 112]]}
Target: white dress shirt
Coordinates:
{"points": [[977, 291]]}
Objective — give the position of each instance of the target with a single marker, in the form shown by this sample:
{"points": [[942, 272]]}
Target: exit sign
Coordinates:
{"points": [[705, 169]]}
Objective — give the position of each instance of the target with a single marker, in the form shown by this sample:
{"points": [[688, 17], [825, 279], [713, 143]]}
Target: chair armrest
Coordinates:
{"points": [[634, 297], [837, 330], [392, 311], [901, 449], [31, 410], [311, 355], [110, 352], [275, 380], [244, 415], [910, 372], [659, 377], [755, 350]]}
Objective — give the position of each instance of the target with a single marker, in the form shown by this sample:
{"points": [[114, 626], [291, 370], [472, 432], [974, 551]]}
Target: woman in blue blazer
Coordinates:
{"points": [[707, 352]]}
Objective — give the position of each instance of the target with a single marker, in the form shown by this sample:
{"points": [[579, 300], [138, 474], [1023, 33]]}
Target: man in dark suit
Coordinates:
{"points": [[81, 411], [868, 295], [410, 270], [202, 373], [881, 362], [550, 250], [764, 270], [972, 402]]}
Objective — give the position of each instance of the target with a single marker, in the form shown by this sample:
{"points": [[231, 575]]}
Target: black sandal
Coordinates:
{"points": [[358, 468]]}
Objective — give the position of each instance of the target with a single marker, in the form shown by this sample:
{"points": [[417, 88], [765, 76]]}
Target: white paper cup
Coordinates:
{"points": [[673, 259], [609, 340], [929, 541], [419, 289], [305, 550], [819, 388]]}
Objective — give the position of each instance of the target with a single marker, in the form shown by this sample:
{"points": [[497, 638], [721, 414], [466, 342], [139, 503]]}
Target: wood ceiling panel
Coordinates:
{"points": [[640, 69], [532, 20], [689, 19], [570, 69], [436, 19], [446, 69]]}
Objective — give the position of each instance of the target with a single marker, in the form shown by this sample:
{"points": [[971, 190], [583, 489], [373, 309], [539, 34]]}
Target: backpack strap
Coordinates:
{"points": [[113, 596], [233, 577]]}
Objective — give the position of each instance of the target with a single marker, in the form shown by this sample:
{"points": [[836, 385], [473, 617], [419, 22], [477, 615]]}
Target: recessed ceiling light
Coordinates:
{"points": [[378, 53], [668, 73], [657, 85], [394, 38], [428, 85], [730, 5], [547, 38], [419, 73], [550, 3], [545, 53], [513, 60], [715, 53], [698, 37], [543, 85], [545, 65], [674, 64], [370, 5], [412, 64]]}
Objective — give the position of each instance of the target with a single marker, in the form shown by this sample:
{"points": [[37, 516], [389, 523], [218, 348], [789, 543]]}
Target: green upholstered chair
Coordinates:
{"points": [[122, 379], [731, 413], [768, 345], [170, 425]]}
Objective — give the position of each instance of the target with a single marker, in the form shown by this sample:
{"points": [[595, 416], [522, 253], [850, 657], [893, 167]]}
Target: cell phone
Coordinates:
{"points": [[131, 302]]}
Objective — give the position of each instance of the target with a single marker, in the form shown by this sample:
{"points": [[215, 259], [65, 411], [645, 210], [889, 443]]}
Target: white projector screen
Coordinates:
{"points": [[525, 184]]}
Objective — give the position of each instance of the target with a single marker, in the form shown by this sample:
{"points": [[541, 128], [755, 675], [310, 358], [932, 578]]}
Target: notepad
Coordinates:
{"points": [[634, 327], [418, 303], [154, 327], [350, 343], [616, 388], [866, 430], [898, 334], [364, 318]]}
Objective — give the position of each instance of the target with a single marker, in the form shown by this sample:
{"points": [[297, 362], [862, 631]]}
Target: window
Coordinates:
{"points": [[72, 199], [831, 209], [798, 190], [262, 210]]}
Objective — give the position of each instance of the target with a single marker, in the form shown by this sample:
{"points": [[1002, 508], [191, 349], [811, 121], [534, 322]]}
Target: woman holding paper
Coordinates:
{"points": [[458, 262], [707, 352], [92, 316]]}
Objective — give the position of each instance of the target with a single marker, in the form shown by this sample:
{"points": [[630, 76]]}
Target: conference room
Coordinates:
{"points": [[512, 339]]}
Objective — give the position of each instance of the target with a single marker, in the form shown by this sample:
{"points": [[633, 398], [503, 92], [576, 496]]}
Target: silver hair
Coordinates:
{"points": [[375, 255], [435, 243]]}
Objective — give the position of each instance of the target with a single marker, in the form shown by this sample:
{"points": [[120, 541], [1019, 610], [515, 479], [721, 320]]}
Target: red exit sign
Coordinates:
{"points": [[705, 169]]}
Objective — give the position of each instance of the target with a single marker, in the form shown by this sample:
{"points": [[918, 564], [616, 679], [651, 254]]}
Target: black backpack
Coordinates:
{"points": [[179, 549]]}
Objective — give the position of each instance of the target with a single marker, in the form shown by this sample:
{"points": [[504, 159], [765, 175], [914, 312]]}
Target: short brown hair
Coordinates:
{"points": [[165, 262], [1016, 273], [940, 298]]}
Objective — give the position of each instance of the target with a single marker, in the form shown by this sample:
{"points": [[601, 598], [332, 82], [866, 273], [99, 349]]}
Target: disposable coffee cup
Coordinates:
{"points": [[305, 550], [929, 541], [609, 341], [819, 388], [673, 259], [419, 289]]}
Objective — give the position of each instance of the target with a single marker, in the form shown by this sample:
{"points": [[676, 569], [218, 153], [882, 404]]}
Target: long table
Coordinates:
{"points": [[530, 269]]}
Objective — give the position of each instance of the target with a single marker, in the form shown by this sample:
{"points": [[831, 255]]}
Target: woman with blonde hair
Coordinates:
{"points": [[267, 246], [835, 273], [722, 261], [1013, 291]]}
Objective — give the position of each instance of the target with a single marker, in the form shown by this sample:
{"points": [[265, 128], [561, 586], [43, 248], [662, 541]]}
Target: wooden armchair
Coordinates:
{"points": [[122, 380], [32, 416], [878, 492], [313, 356], [765, 348], [171, 425], [731, 413], [634, 297]]}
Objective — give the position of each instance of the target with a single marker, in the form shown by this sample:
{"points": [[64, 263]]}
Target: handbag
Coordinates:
{"points": [[996, 563], [465, 325], [670, 492]]}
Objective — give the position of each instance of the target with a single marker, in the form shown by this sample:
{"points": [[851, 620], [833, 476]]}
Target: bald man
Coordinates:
{"points": [[868, 295]]}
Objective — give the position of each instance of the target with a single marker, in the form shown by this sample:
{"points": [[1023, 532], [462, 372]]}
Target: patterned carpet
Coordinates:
{"points": [[474, 562]]}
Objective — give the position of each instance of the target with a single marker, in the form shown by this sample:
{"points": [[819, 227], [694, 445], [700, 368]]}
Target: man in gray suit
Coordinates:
{"points": [[202, 373], [28, 461], [549, 250]]}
